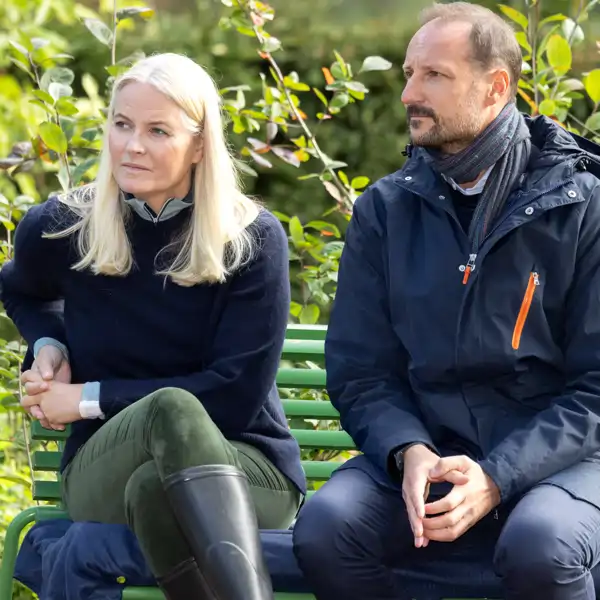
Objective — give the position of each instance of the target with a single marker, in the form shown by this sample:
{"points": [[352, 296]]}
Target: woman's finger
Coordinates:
{"points": [[36, 387]]}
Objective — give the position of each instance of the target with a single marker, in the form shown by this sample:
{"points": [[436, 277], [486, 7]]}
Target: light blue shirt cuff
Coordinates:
{"points": [[89, 405], [48, 341]]}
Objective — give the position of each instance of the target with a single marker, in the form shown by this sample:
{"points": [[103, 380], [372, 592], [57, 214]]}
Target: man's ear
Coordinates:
{"points": [[499, 86]]}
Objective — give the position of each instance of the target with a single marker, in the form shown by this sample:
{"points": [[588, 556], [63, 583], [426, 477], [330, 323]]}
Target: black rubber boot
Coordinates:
{"points": [[184, 582], [213, 506]]}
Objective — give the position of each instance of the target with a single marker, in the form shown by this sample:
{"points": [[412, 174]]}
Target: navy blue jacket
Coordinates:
{"points": [[504, 368], [141, 332]]}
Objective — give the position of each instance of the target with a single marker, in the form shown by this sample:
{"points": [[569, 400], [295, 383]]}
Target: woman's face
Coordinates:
{"points": [[151, 151]]}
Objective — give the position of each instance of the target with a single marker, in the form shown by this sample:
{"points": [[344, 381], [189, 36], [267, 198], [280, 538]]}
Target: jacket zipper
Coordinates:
{"points": [[534, 281]]}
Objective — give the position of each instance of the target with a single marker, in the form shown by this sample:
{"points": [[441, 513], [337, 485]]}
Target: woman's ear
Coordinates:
{"points": [[198, 150]]}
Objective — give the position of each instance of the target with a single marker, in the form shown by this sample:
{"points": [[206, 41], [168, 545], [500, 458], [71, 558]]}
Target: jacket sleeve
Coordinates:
{"points": [[366, 363], [30, 282], [569, 430], [244, 357]]}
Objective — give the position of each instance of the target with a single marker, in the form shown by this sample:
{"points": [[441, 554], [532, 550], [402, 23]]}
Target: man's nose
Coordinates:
{"points": [[411, 93]]}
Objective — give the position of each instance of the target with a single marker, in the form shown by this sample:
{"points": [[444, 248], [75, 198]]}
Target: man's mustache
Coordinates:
{"points": [[414, 110]]}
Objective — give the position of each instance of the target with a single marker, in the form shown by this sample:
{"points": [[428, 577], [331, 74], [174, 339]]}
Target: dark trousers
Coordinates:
{"points": [[354, 529], [117, 476]]}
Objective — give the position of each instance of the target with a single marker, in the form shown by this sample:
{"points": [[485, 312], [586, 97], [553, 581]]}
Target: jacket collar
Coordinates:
{"points": [[555, 156], [172, 207]]}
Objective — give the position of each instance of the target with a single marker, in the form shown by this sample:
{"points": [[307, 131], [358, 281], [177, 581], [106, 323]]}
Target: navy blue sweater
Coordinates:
{"points": [[140, 333]]}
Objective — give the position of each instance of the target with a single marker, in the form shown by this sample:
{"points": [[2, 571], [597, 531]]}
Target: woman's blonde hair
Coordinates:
{"points": [[217, 241]]}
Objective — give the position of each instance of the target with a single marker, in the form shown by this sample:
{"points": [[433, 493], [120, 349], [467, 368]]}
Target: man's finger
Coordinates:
{"points": [[454, 476], [455, 497], [452, 533], [415, 523], [450, 463]]}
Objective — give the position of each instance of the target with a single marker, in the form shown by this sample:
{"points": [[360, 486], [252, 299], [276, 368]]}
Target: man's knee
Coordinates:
{"points": [[532, 551], [340, 523]]}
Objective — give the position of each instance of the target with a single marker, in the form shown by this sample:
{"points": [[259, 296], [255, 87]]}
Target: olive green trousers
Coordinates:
{"points": [[116, 477]]}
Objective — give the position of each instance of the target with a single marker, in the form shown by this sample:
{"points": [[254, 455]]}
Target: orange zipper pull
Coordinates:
{"points": [[470, 267]]}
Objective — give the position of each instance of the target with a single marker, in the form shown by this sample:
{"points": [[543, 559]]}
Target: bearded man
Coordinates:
{"points": [[463, 352]]}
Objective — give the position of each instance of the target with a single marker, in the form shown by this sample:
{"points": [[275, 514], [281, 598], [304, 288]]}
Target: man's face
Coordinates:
{"points": [[444, 94]]}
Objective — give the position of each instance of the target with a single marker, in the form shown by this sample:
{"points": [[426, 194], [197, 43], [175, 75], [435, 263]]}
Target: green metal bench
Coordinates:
{"points": [[301, 369]]}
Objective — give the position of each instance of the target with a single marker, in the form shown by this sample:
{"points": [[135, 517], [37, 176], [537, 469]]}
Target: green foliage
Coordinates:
{"points": [[305, 118]]}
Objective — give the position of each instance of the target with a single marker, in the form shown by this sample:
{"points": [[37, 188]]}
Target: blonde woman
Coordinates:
{"points": [[176, 296]]}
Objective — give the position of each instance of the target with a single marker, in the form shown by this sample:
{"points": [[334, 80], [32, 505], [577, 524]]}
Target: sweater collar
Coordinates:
{"points": [[172, 207]]}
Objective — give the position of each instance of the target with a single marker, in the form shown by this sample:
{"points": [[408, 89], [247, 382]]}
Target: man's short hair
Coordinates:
{"points": [[493, 41]]}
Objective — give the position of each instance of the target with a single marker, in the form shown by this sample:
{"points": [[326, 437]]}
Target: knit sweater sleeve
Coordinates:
{"points": [[30, 283], [244, 357]]}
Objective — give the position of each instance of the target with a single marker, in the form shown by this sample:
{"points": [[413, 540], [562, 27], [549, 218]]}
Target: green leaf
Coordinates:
{"points": [[58, 75], [572, 31], [140, 12], [324, 226], [309, 314], [283, 218], [514, 15], [59, 90], [116, 70], [356, 86], [592, 85], [66, 108], [271, 44], [99, 30], [559, 54], [63, 177], [521, 37], [43, 96], [551, 19], [245, 168], [295, 309], [287, 155], [358, 183], [41, 105], [593, 122], [53, 136], [81, 169], [339, 101], [90, 134], [375, 63], [547, 107], [571, 85], [320, 96], [296, 230]]}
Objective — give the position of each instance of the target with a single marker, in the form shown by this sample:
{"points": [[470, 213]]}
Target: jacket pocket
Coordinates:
{"points": [[533, 282]]}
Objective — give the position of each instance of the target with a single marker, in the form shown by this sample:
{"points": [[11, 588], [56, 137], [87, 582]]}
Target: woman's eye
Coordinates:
{"points": [[120, 124], [159, 131]]}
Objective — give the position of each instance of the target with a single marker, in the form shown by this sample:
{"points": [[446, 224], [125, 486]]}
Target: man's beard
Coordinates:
{"points": [[460, 131]]}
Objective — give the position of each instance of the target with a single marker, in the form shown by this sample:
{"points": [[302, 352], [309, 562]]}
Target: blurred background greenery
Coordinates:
{"points": [[368, 136]]}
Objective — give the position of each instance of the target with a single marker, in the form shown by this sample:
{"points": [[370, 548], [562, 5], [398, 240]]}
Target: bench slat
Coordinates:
{"points": [[304, 350], [46, 460], [319, 470], [323, 440], [296, 331], [310, 409], [39, 433], [301, 378], [46, 490]]}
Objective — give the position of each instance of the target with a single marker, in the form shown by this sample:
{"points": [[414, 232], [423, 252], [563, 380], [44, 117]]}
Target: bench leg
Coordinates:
{"points": [[11, 548]]}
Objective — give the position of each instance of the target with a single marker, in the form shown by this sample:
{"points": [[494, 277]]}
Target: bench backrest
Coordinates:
{"points": [[314, 422]]}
